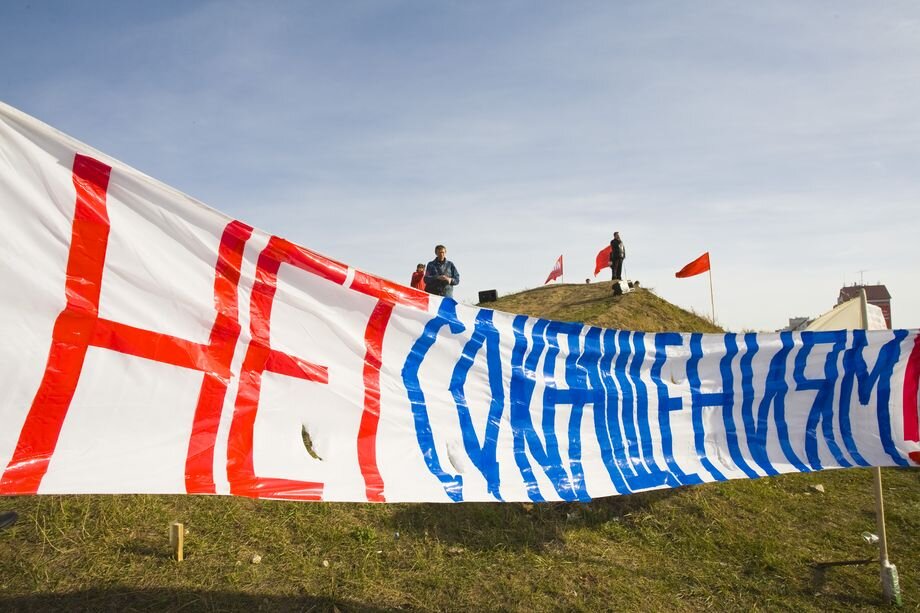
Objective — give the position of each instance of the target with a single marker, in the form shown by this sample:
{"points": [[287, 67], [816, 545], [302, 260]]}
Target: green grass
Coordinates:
{"points": [[744, 545]]}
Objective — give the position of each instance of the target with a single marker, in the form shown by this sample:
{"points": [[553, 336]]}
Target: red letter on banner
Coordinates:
{"points": [[79, 326], [911, 399], [261, 358], [387, 294]]}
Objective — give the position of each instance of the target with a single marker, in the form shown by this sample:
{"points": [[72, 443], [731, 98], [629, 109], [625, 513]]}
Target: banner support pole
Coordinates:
{"points": [[888, 573]]}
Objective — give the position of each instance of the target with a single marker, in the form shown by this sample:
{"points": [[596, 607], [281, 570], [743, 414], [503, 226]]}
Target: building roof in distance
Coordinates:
{"points": [[873, 293]]}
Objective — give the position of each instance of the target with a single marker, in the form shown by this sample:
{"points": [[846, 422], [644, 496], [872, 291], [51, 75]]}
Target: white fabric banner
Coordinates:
{"points": [[154, 345]]}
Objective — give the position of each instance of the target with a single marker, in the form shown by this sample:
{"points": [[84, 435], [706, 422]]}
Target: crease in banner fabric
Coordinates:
{"points": [[154, 345]]}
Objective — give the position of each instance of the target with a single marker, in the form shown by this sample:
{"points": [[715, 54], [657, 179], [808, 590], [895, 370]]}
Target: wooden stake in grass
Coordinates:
{"points": [[177, 540]]}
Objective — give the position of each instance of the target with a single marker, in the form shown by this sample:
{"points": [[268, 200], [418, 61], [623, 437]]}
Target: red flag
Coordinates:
{"points": [[697, 266], [556, 272], [602, 260]]}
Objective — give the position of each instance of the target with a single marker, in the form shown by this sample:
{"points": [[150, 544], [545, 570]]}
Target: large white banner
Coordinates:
{"points": [[153, 345]]}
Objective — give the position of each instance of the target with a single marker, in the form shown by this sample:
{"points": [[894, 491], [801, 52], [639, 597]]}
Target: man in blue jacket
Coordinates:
{"points": [[441, 275]]}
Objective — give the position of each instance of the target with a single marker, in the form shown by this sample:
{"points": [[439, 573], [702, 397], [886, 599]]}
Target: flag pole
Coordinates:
{"points": [[712, 299]]}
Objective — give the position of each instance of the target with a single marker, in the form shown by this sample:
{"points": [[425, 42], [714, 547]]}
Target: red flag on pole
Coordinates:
{"points": [[602, 260], [696, 267], [556, 272]]}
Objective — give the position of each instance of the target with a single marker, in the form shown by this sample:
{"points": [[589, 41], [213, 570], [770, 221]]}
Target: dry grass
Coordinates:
{"points": [[595, 304], [738, 546]]}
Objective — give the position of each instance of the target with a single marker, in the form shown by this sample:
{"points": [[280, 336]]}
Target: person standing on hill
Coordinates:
{"points": [[617, 255], [441, 275], [418, 278]]}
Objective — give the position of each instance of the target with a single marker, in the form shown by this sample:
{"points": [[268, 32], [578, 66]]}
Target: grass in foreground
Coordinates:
{"points": [[742, 545]]}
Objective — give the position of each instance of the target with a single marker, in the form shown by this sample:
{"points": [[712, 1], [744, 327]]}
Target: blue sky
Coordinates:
{"points": [[783, 137]]}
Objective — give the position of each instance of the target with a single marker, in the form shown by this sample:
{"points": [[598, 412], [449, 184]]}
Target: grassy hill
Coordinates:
{"points": [[745, 545], [595, 304]]}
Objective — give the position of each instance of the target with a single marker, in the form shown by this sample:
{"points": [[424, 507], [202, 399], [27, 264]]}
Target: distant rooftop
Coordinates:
{"points": [[873, 292]]}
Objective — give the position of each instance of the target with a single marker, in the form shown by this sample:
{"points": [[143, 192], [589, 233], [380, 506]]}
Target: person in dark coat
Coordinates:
{"points": [[617, 255], [441, 275]]}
